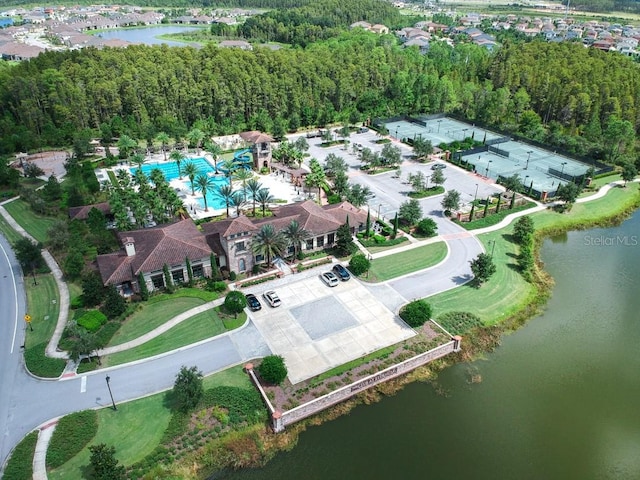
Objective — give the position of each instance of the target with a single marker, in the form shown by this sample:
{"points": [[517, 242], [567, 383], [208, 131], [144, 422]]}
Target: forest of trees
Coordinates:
{"points": [[559, 93], [604, 5], [320, 20]]}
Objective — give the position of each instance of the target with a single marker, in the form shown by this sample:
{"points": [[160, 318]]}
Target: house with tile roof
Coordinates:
{"points": [[148, 250], [230, 239]]}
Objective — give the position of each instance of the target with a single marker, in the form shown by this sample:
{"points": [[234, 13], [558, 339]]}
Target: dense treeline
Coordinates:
{"points": [[583, 100], [605, 5], [320, 20], [141, 90]]}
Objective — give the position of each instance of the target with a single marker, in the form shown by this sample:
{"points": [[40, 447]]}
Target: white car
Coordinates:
{"points": [[329, 279], [272, 298]]}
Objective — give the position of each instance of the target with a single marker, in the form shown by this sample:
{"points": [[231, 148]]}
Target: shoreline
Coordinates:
{"points": [[476, 343]]}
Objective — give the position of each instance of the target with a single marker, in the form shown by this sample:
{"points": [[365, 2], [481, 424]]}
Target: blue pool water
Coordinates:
{"points": [[170, 170]]}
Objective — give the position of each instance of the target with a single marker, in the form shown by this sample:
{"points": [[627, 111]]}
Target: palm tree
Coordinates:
{"points": [[138, 159], [268, 242], [142, 181], [125, 145], [157, 177], [229, 165], [253, 186], [226, 192], [177, 157], [214, 150], [264, 198], [190, 170], [242, 174], [295, 234], [237, 198], [163, 138], [205, 185], [194, 137]]}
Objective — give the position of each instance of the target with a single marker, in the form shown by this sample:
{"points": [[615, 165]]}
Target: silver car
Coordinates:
{"points": [[329, 279], [272, 298]]}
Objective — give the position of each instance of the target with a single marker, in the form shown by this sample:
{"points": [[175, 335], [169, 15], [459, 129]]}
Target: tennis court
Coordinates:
{"points": [[546, 170], [539, 169], [437, 130]]}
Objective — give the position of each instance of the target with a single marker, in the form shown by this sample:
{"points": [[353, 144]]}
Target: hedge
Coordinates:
{"points": [[71, 435], [92, 320]]}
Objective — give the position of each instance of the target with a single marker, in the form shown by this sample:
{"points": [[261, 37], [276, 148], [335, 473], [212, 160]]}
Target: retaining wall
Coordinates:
{"points": [[281, 419]]}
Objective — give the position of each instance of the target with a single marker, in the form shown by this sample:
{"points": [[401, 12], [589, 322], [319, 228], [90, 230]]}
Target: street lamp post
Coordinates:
{"points": [[486, 173], [396, 133], [111, 394], [475, 195], [528, 158], [439, 125], [493, 247], [562, 171]]}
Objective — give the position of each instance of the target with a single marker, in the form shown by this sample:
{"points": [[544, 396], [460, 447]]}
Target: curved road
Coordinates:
{"points": [[26, 402]]}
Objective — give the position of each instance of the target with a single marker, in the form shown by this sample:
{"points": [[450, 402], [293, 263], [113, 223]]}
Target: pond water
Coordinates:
{"points": [[148, 35], [557, 400]]}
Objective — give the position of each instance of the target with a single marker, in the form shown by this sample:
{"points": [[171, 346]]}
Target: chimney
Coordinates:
{"points": [[129, 246]]}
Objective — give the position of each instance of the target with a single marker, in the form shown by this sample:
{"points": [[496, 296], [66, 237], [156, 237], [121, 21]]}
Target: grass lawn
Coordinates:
{"points": [[152, 315], [410, 261], [137, 427], [43, 306], [199, 327], [584, 212], [36, 225], [9, 233], [504, 294], [135, 430]]}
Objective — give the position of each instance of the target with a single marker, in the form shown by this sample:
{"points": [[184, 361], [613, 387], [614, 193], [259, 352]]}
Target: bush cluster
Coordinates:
{"points": [[92, 320], [458, 323], [72, 433], [416, 313]]}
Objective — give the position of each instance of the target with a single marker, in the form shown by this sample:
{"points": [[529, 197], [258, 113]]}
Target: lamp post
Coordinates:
{"points": [[111, 394], [439, 125], [464, 132], [562, 171], [493, 247], [396, 133], [528, 158], [486, 173], [475, 195]]}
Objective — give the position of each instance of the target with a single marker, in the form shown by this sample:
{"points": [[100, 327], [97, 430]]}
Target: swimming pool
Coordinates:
{"points": [[170, 171]]}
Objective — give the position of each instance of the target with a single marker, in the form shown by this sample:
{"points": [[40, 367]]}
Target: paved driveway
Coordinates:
{"points": [[317, 327]]}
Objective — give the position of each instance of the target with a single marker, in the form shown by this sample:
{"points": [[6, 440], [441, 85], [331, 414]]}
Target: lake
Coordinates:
{"points": [[147, 35], [557, 400]]}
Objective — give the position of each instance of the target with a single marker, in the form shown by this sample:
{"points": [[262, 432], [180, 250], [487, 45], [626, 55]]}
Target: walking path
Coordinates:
{"points": [[39, 466]]}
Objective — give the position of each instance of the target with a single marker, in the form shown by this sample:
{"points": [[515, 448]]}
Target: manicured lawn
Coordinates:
{"points": [[135, 430], [151, 316], [137, 427], [43, 306], [504, 294], [199, 327], [410, 261], [482, 222], [9, 233], [583, 212], [35, 225]]}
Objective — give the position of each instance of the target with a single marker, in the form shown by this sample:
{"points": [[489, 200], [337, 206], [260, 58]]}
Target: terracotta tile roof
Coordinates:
{"points": [[229, 226], [82, 213], [256, 137], [154, 247], [310, 216], [340, 212]]}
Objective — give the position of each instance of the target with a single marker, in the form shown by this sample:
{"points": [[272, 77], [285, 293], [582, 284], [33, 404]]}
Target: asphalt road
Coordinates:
{"points": [[27, 402]]}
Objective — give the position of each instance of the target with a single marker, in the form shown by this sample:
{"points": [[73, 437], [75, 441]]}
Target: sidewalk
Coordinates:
{"points": [[52, 346]]}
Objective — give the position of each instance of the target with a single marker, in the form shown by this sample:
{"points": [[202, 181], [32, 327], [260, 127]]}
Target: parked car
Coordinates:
{"points": [[341, 272], [363, 130], [329, 279], [272, 298], [358, 146], [253, 303], [313, 134], [438, 166]]}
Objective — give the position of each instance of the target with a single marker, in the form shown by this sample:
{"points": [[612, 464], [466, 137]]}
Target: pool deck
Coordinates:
{"points": [[279, 187]]}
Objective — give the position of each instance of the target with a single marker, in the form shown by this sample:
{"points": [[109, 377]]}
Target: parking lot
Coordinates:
{"points": [[389, 191], [319, 327]]}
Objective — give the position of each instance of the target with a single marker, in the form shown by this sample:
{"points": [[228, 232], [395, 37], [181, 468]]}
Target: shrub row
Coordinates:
{"points": [[71, 435], [42, 366], [458, 323], [20, 465]]}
